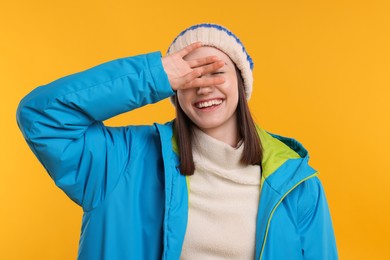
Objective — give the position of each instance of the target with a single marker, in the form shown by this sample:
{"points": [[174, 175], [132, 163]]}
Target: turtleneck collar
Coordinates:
{"points": [[212, 155]]}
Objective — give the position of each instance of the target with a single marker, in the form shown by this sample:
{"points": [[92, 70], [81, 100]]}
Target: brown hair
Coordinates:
{"points": [[253, 151]]}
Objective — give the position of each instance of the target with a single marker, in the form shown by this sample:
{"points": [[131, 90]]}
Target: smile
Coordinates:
{"points": [[208, 103]]}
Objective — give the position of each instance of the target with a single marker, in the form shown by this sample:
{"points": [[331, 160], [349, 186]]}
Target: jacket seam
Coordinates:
{"points": [[277, 205], [61, 97], [120, 179], [169, 211], [307, 213], [155, 92]]}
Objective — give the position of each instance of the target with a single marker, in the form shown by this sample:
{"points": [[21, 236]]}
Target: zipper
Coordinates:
{"points": [[276, 206]]}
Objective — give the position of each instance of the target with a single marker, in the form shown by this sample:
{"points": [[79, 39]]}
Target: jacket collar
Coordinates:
{"points": [[176, 197], [277, 150], [284, 167]]}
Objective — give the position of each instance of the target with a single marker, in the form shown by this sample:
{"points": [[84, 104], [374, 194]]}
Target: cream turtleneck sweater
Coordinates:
{"points": [[223, 202]]}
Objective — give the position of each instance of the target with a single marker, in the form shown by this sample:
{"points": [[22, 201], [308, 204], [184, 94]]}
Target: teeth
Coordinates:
{"points": [[209, 103]]}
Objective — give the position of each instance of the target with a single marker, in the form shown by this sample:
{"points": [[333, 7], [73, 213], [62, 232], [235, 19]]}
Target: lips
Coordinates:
{"points": [[208, 103]]}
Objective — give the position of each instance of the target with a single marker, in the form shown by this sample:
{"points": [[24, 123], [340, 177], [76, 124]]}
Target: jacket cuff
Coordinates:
{"points": [[162, 86]]}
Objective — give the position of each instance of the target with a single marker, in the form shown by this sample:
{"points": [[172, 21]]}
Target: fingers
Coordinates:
{"points": [[188, 73], [202, 61], [205, 82], [206, 69], [194, 79], [183, 52]]}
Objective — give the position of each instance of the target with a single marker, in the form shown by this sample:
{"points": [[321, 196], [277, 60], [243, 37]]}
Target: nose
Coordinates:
{"points": [[204, 90]]}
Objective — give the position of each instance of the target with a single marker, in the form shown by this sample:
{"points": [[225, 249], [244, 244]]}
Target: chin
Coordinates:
{"points": [[208, 125]]}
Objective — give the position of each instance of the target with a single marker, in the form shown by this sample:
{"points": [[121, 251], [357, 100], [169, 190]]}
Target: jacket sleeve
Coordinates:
{"points": [[62, 123], [314, 222]]}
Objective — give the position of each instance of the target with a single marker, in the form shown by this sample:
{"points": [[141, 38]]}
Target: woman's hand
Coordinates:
{"points": [[186, 74]]}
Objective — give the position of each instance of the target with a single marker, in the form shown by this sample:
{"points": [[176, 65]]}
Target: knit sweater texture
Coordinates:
{"points": [[223, 202]]}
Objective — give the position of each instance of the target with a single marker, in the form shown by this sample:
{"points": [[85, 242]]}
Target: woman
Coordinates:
{"points": [[209, 185]]}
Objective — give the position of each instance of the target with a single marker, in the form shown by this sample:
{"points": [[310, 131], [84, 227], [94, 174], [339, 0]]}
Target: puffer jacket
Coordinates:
{"points": [[127, 179]]}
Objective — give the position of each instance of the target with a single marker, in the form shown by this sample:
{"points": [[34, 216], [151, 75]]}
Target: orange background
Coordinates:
{"points": [[322, 75]]}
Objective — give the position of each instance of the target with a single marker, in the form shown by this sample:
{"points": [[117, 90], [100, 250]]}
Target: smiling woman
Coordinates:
{"points": [[210, 184], [213, 108]]}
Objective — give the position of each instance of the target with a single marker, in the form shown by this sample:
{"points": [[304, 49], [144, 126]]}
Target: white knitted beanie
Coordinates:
{"points": [[221, 38]]}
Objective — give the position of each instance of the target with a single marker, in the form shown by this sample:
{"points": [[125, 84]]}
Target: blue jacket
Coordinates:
{"points": [[127, 179]]}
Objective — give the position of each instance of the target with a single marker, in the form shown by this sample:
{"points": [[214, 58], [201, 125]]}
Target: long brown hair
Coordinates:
{"points": [[253, 151]]}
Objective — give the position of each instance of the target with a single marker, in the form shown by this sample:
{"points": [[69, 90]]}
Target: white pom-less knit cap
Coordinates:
{"points": [[221, 38]]}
